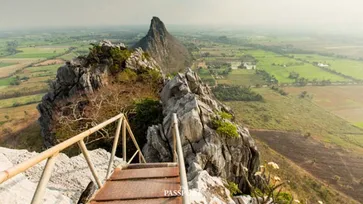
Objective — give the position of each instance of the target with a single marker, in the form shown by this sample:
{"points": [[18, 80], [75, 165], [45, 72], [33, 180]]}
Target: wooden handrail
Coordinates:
{"points": [[52, 152], [11, 172]]}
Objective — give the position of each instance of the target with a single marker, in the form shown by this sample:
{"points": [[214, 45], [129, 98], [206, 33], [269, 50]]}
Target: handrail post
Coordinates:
{"points": [[124, 142], [114, 147], [174, 143], [134, 140], [47, 172], [182, 172], [90, 165]]}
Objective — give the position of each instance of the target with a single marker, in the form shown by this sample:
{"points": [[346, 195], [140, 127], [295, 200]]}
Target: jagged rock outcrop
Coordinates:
{"points": [[203, 147], [208, 189], [69, 177], [169, 53], [82, 76]]}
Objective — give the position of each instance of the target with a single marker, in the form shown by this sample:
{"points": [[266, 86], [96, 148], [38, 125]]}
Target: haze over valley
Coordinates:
{"points": [[289, 72]]}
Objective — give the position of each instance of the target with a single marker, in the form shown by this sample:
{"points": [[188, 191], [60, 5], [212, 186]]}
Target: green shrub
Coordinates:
{"points": [[225, 115], [226, 128], [233, 188], [284, 198], [146, 112], [127, 75], [152, 77], [119, 55]]}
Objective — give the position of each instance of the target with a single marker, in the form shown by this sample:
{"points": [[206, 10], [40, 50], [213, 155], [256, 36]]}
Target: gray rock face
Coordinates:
{"points": [[203, 147], [80, 76]]}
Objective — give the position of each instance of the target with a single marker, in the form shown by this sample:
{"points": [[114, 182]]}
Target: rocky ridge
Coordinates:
{"points": [[206, 152], [82, 76]]}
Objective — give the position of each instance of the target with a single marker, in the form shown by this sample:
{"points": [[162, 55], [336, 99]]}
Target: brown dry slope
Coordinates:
{"points": [[170, 54], [337, 167]]}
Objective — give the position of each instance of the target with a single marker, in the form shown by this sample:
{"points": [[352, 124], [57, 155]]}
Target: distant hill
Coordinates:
{"points": [[169, 52]]}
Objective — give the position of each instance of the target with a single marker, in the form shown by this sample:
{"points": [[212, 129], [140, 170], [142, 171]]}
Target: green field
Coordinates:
{"points": [[5, 64], [285, 65], [206, 77], [278, 65], [69, 56], [360, 124], [39, 52], [347, 67], [19, 101], [42, 71], [242, 77], [6, 81]]}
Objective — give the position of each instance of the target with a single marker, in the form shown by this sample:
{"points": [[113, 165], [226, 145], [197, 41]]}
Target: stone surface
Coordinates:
{"points": [[69, 177], [207, 189], [245, 199], [20, 189], [204, 149]]}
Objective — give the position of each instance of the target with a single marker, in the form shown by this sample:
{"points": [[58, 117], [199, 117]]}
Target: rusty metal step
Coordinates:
{"points": [[137, 189], [144, 173], [174, 200], [148, 165]]}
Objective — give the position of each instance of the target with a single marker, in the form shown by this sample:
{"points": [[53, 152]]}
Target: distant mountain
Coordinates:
{"points": [[169, 52]]}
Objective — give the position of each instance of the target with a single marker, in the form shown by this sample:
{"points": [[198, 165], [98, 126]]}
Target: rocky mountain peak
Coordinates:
{"points": [[167, 51], [157, 28]]}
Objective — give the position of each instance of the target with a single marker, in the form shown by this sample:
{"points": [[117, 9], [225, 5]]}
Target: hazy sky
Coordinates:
{"points": [[30, 13]]}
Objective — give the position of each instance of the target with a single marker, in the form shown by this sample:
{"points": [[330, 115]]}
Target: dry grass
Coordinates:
{"points": [[20, 130], [343, 101], [302, 185]]}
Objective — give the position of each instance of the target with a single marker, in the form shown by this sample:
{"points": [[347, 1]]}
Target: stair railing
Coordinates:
{"points": [[52, 153], [178, 157]]}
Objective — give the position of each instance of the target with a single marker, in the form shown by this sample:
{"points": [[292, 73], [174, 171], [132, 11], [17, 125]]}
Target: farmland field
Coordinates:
{"points": [[277, 65], [291, 113], [5, 64], [242, 77], [349, 104], [281, 66], [40, 52], [308, 135], [348, 67], [19, 101]]}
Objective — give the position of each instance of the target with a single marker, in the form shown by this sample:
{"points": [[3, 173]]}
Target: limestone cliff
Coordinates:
{"points": [[203, 147]]}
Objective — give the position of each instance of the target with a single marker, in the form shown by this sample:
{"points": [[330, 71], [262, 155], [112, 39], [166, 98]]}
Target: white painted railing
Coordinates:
{"points": [[178, 155]]}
